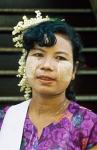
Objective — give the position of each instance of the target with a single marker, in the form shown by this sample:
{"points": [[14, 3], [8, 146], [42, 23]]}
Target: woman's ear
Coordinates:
{"points": [[75, 70]]}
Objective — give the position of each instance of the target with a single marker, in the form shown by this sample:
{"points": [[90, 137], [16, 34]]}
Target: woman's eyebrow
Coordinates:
{"points": [[38, 48], [60, 52]]}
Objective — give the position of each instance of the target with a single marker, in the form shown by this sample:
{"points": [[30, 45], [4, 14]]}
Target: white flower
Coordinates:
{"points": [[18, 40]]}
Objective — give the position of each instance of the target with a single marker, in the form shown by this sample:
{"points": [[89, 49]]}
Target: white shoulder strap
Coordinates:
{"points": [[12, 127]]}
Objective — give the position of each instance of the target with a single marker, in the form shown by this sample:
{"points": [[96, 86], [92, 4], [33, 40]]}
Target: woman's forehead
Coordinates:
{"points": [[62, 45]]}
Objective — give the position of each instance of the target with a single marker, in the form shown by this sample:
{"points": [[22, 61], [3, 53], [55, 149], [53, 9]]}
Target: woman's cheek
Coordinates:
{"points": [[31, 65], [65, 70]]}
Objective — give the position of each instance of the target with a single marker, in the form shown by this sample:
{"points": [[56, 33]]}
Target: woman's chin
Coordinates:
{"points": [[45, 91]]}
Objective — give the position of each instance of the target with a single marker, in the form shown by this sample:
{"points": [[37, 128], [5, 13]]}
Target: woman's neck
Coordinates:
{"points": [[47, 105]]}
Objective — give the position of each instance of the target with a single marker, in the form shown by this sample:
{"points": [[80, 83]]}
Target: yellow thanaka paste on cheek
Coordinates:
{"points": [[31, 66], [65, 70]]}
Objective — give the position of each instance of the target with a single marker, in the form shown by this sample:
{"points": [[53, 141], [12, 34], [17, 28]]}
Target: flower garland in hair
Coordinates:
{"points": [[18, 40]]}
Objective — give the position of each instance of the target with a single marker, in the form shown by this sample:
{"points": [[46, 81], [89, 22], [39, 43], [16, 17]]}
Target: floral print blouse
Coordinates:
{"points": [[76, 130]]}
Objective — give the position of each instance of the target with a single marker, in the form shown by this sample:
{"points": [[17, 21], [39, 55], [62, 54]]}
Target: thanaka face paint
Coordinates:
{"points": [[47, 62], [31, 66], [65, 71]]}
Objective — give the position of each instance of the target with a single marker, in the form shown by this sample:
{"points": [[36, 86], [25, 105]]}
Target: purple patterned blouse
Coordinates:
{"points": [[76, 130]]}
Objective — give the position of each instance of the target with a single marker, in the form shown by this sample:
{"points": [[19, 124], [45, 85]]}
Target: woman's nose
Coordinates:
{"points": [[47, 64]]}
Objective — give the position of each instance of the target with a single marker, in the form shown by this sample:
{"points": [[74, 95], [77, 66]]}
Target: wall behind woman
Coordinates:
{"points": [[94, 7], [79, 14]]}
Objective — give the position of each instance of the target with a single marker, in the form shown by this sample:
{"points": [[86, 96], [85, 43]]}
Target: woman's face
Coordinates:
{"points": [[49, 70]]}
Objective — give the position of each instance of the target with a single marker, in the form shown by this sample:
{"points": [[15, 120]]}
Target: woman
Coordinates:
{"points": [[50, 120]]}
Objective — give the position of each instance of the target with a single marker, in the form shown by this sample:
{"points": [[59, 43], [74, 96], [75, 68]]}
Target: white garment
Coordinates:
{"points": [[12, 127]]}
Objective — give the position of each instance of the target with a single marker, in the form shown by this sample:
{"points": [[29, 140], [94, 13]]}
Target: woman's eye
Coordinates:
{"points": [[60, 58], [38, 55]]}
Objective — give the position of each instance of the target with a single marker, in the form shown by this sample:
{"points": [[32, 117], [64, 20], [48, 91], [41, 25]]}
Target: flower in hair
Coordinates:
{"points": [[22, 25], [18, 40]]}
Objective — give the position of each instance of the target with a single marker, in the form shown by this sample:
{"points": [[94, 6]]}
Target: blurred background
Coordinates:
{"points": [[81, 14]]}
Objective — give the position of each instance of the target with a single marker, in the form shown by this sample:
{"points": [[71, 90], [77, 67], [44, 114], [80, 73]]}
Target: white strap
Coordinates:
{"points": [[12, 127]]}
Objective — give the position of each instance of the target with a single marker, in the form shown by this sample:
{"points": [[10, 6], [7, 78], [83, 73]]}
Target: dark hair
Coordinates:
{"points": [[36, 34]]}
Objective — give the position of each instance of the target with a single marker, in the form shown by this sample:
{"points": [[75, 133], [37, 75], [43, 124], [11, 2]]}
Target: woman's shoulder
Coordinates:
{"points": [[84, 122], [19, 106], [2, 114], [82, 115], [74, 108]]}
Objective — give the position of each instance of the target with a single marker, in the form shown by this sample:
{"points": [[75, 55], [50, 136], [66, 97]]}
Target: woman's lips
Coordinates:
{"points": [[46, 79]]}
